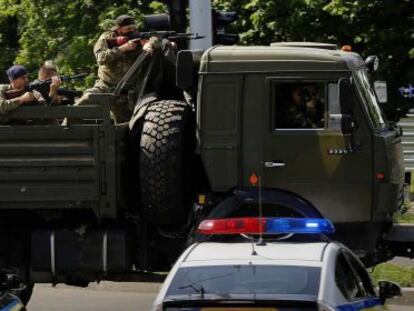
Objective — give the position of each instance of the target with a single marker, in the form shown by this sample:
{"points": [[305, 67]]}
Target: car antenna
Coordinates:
{"points": [[256, 180], [261, 242]]}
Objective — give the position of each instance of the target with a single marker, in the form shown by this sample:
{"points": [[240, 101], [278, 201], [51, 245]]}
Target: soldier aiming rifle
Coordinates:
{"points": [[115, 52], [21, 92]]}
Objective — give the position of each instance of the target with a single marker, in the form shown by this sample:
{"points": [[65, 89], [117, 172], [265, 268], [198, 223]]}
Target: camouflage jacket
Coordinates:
{"points": [[113, 64], [9, 105], [299, 118]]}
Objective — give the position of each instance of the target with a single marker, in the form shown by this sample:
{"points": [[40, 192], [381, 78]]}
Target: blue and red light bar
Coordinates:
{"points": [[257, 225]]}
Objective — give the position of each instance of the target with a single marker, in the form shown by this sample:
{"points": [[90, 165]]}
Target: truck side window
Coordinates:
{"points": [[299, 105]]}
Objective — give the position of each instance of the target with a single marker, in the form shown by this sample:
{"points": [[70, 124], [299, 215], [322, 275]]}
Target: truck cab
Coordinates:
{"points": [[305, 120]]}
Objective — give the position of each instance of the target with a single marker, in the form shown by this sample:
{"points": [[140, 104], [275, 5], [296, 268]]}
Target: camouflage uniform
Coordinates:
{"points": [[9, 105], [113, 64], [295, 117]]}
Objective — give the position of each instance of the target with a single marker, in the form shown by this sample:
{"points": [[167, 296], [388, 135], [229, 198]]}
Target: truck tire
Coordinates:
{"points": [[165, 157]]}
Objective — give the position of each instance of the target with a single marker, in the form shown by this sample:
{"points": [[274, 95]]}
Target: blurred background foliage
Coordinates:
{"points": [[32, 31]]}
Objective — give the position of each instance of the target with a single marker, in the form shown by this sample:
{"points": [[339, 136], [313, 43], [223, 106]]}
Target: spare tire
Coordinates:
{"points": [[165, 157]]}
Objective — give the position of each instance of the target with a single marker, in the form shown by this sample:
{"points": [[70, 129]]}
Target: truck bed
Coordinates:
{"points": [[54, 167]]}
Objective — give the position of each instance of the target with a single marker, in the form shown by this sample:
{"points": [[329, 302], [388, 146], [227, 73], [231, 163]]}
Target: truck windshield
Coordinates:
{"points": [[368, 95], [244, 281]]}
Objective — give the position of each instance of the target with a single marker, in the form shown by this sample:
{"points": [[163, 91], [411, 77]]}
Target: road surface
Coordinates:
{"points": [[106, 297]]}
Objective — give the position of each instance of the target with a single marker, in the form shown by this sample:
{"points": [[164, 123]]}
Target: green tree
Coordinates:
{"points": [[32, 31], [63, 31], [379, 27]]}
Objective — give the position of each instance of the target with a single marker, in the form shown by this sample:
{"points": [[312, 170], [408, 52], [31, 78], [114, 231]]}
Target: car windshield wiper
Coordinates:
{"points": [[199, 289]]}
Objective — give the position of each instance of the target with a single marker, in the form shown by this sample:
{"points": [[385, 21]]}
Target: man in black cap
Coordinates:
{"points": [[114, 61], [19, 80]]}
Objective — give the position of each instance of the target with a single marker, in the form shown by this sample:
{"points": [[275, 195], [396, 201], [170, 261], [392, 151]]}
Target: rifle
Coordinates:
{"points": [[136, 37], [42, 86]]}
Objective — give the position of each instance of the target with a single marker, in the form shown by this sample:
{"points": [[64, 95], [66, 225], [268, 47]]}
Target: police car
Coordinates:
{"points": [[287, 264], [10, 302]]}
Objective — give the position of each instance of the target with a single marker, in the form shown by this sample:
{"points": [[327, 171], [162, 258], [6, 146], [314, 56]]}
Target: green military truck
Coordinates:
{"points": [[295, 127]]}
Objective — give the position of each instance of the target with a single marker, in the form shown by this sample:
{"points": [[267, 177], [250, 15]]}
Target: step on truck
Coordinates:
{"points": [[295, 128]]}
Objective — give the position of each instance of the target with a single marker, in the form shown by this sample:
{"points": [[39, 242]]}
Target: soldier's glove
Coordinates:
{"points": [[152, 44]]}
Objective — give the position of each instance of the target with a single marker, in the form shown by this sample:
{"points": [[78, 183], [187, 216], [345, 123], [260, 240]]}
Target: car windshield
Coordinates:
{"points": [[368, 95], [246, 281]]}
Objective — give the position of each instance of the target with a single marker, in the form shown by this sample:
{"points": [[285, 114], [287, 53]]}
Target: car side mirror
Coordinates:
{"points": [[388, 290]]}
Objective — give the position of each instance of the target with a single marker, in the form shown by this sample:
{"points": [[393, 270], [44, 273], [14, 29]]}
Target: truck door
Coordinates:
{"points": [[317, 144]]}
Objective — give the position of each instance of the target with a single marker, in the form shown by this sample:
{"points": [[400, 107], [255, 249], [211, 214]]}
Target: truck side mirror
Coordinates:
{"points": [[388, 290], [380, 88], [372, 63]]}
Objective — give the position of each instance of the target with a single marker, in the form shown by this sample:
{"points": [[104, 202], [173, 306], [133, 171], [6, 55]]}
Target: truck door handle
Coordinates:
{"points": [[272, 164]]}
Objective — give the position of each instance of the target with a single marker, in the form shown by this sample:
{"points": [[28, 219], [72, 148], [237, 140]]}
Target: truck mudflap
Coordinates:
{"points": [[400, 240]]}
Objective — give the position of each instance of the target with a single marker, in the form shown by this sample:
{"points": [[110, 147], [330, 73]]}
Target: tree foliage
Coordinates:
{"points": [[32, 31], [378, 27], [63, 31]]}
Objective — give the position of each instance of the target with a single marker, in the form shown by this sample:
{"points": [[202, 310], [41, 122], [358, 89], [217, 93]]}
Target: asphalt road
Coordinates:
{"points": [[106, 297], [74, 299]]}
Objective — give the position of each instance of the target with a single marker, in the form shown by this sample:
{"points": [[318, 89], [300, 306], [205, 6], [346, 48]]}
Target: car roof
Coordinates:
{"points": [[213, 252]]}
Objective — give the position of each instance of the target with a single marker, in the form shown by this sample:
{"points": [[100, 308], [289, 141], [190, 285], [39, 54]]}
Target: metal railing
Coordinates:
{"points": [[407, 125]]}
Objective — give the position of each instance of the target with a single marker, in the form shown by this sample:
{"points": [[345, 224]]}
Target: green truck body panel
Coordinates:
{"points": [[50, 167], [236, 114]]}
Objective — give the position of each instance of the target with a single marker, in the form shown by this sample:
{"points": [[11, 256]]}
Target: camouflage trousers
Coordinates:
{"points": [[119, 111]]}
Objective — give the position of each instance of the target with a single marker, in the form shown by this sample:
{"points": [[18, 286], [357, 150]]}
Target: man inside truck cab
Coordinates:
{"points": [[301, 106]]}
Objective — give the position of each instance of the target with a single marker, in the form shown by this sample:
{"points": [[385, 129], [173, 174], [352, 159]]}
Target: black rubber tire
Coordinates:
{"points": [[166, 150]]}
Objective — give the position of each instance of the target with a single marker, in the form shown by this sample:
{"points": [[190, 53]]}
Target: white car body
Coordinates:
{"points": [[322, 255]]}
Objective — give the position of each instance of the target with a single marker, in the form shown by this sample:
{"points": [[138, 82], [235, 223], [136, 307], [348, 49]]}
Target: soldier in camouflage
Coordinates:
{"points": [[18, 77], [114, 62], [305, 110]]}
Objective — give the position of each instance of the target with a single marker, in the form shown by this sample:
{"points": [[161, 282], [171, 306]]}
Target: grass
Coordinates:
{"points": [[408, 216], [402, 275]]}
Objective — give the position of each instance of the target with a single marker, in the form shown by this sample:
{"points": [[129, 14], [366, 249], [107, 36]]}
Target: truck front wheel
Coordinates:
{"points": [[165, 157]]}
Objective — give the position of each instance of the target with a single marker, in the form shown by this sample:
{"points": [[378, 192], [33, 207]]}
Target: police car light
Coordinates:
{"points": [[258, 225], [300, 225], [232, 226]]}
